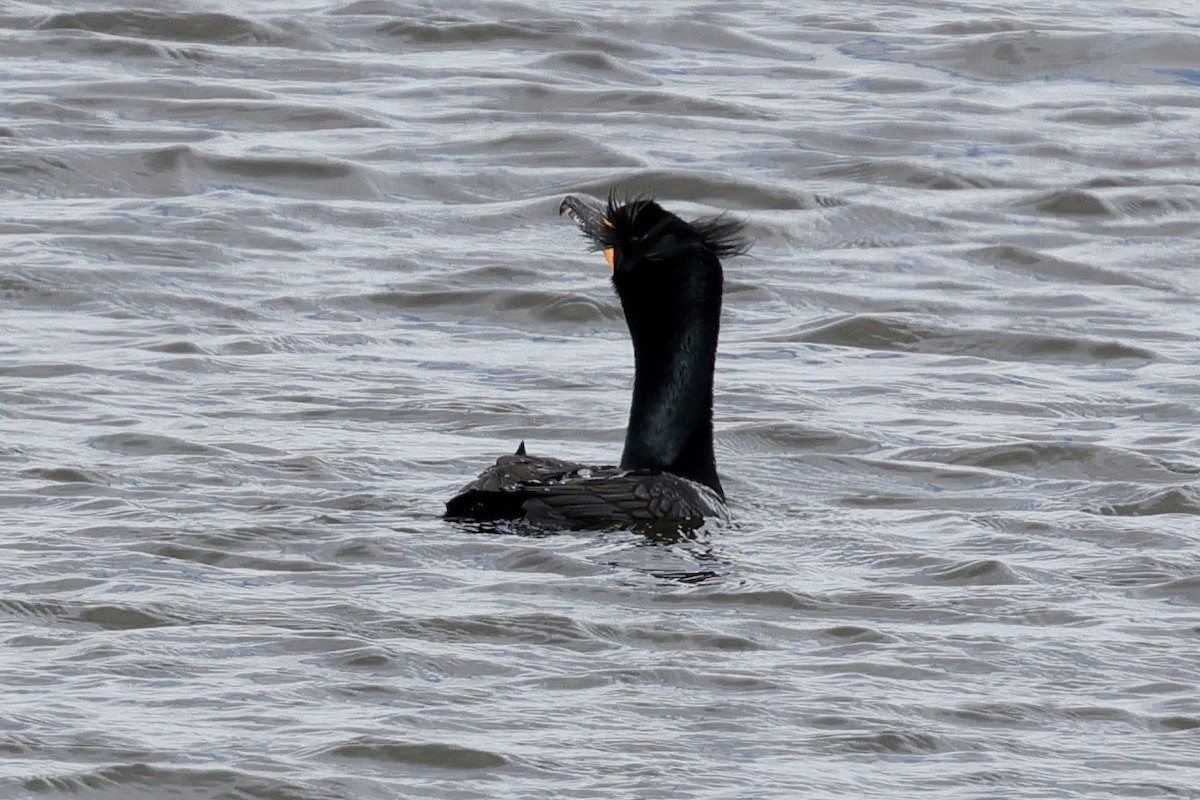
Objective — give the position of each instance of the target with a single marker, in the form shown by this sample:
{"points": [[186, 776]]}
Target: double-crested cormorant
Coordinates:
{"points": [[667, 273]]}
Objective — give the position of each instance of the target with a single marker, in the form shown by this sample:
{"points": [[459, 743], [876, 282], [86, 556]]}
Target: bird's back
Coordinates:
{"points": [[553, 493]]}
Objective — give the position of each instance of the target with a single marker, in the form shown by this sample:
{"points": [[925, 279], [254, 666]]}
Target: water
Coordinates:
{"points": [[277, 280]]}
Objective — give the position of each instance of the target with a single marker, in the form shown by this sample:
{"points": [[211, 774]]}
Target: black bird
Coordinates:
{"points": [[667, 273]]}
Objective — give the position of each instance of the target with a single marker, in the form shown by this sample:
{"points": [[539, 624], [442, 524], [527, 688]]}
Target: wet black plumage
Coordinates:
{"points": [[667, 274]]}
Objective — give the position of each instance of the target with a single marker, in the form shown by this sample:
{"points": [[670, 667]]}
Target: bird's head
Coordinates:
{"points": [[643, 242]]}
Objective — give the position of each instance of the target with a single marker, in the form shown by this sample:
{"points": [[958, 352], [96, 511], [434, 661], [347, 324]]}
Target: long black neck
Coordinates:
{"points": [[674, 336]]}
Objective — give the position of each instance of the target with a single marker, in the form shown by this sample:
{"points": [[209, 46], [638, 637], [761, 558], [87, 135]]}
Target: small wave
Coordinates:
{"points": [[1180, 590], [1070, 203], [434, 755], [979, 27], [66, 475], [1029, 261], [892, 172], [898, 334], [140, 779], [1175, 722], [122, 618], [225, 560], [898, 743], [764, 438], [593, 66], [857, 634], [1131, 570], [465, 32], [1028, 53], [1106, 117], [105, 617], [180, 169], [1161, 204], [513, 305], [539, 149], [35, 292], [1053, 460], [1000, 714], [988, 572], [213, 28], [49, 370], [178, 348], [673, 639], [1177, 500], [541, 561], [549, 629], [150, 444], [718, 191]]}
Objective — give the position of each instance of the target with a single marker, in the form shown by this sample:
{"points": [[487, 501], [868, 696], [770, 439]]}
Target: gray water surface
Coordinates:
{"points": [[276, 280]]}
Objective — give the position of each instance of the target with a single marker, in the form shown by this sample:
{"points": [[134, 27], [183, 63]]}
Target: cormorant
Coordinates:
{"points": [[667, 274]]}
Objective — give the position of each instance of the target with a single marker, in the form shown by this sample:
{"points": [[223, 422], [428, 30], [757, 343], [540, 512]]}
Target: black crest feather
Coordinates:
{"points": [[722, 234]]}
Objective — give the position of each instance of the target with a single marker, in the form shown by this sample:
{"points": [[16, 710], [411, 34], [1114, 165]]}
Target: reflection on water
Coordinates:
{"points": [[278, 280]]}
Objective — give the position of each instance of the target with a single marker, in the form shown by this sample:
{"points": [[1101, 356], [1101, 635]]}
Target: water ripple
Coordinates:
{"points": [[279, 279]]}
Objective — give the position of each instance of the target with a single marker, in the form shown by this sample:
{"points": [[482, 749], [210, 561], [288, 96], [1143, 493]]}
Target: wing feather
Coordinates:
{"points": [[550, 492]]}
